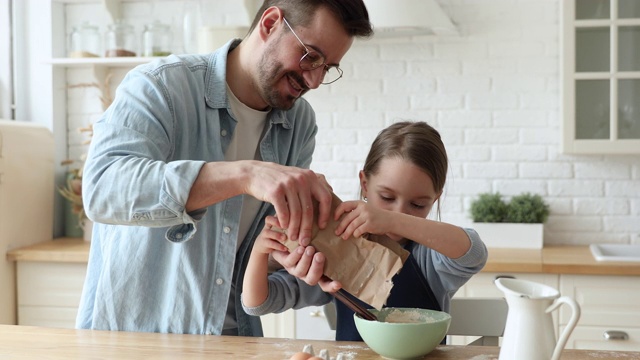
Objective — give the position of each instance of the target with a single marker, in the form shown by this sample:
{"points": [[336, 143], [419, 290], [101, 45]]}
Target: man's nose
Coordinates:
{"points": [[313, 78]]}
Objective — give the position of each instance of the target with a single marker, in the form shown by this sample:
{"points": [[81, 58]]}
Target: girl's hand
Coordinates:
{"points": [[361, 218], [270, 240]]}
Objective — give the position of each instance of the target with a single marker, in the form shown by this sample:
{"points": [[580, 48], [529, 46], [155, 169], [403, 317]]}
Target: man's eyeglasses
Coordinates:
{"points": [[312, 60]]}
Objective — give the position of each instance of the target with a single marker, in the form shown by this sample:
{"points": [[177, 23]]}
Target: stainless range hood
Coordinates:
{"points": [[397, 18]]}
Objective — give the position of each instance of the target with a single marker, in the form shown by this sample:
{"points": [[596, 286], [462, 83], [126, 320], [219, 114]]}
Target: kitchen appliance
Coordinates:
{"points": [[409, 18], [529, 333], [26, 199]]}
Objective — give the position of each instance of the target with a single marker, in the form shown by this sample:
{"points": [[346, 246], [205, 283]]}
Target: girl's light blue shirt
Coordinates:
{"points": [[443, 274], [152, 266]]}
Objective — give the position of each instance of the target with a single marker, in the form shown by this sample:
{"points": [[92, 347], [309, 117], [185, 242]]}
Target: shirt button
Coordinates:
{"points": [[223, 132], [219, 281], [226, 229]]}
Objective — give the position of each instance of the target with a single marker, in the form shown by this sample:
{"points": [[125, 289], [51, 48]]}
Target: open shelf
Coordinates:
{"points": [[101, 61]]}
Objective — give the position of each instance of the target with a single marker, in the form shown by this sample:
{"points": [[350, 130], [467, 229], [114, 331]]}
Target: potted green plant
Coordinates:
{"points": [[518, 223]]}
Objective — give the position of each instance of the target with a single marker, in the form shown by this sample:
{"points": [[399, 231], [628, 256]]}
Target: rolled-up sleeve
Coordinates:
{"points": [[287, 292], [132, 175]]}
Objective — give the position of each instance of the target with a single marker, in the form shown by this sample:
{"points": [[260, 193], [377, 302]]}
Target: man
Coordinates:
{"points": [[197, 150]]}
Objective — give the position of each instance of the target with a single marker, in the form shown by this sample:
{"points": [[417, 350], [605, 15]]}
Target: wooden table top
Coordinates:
{"points": [[551, 259], [27, 342]]}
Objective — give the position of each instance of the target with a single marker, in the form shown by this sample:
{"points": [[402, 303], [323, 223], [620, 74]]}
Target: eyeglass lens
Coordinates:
{"points": [[332, 74], [313, 60]]}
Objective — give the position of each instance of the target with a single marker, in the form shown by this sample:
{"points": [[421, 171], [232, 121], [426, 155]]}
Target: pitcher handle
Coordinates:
{"points": [[575, 316]]}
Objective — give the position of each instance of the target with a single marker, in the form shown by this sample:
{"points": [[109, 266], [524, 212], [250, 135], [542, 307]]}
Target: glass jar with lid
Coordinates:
{"points": [[84, 41], [120, 40], [156, 39]]}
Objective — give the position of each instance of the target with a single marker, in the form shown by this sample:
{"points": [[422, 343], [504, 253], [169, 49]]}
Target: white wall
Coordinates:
{"points": [[494, 94]]}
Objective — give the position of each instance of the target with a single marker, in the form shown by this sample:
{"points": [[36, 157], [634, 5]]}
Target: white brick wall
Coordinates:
{"points": [[493, 93]]}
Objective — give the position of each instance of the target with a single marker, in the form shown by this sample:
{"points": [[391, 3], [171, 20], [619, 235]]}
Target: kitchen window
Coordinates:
{"points": [[601, 76]]}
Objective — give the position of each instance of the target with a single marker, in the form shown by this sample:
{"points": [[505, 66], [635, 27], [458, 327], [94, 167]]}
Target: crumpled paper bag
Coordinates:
{"points": [[364, 267]]}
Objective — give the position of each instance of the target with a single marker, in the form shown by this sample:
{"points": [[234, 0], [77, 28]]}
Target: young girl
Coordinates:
{"points": [[403, 177]]}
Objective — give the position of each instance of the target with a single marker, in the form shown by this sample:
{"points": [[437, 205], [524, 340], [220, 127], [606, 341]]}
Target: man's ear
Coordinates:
{"points": [[270, 19]]}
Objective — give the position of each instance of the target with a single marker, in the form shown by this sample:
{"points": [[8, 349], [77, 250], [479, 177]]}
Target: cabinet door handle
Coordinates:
{"points": [[615, 335]]}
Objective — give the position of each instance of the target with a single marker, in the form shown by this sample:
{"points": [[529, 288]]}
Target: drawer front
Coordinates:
{"points": [[50, 284], [47, 316], [604, 300], [592, 337]]}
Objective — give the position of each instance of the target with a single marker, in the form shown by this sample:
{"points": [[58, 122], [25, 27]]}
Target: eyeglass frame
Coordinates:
{"points": [[311, 68]]}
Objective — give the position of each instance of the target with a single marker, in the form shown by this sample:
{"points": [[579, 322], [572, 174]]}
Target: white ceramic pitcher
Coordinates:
{"points": [[529, 333]]}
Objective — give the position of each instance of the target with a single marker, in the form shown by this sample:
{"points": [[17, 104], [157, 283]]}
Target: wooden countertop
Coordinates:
{"points": [[27, 342], [71, 250], [556, 260], [550, 260]]}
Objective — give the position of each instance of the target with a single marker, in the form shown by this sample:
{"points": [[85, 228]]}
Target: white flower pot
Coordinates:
{"points": [[511, 235]]}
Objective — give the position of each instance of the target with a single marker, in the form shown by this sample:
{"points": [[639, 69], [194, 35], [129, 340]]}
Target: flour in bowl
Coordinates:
{"points": [[399, 316]]}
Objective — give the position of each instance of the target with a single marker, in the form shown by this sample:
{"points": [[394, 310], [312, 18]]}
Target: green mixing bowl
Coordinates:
{"points": [[404, 333]]}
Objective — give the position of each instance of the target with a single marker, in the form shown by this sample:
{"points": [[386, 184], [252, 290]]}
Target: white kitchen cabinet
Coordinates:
{"points": [[601, 76], [311, 324], [279, 325], [610, 305], [49, 293], [51, 275]]}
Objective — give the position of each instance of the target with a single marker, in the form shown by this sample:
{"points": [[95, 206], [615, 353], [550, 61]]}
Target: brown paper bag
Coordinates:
{"points": [[364, 267]]}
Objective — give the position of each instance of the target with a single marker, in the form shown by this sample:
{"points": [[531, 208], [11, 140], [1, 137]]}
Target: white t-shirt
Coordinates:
{"points": [[243, 146]]}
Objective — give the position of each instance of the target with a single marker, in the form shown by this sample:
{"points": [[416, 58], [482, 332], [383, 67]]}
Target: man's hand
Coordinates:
{"points": [[291, 190]]}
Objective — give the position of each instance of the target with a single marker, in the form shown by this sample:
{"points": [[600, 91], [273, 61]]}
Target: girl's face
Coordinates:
{"points": [[400, 186]]}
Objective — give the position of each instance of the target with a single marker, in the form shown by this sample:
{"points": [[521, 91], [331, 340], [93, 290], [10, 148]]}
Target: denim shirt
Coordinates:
{"points": [[153, 267]]}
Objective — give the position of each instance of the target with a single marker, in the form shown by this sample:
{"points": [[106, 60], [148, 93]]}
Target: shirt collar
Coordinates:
{"points": [[216, 84]]}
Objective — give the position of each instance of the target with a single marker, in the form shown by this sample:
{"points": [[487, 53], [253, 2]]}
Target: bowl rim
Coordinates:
{"points": [[446, 316]]}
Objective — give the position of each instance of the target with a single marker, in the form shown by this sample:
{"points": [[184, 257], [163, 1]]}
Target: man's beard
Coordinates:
{"points": [[269, 74]]}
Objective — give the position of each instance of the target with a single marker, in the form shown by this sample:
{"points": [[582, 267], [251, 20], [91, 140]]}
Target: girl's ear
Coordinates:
{"points": [[363, 183], [268, 21]]}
